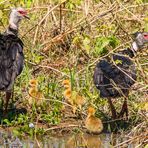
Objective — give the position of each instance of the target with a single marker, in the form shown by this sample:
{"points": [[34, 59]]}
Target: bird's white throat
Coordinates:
{"points": [[12, 25], [134, 47]]}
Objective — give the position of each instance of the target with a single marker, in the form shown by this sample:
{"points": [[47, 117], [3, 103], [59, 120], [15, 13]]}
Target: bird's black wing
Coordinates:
{"points": [[106, 68], [103, 73], [127, 69], [11, 60], [114, 75], [98, 76], [98, 79]]}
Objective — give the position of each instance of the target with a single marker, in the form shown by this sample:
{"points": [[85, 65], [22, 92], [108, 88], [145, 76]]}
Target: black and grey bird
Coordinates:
{"points": [[11, 53], [115, 74]]}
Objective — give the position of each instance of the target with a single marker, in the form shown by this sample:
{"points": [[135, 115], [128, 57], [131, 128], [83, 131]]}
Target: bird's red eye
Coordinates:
{"points": [[146, 36], [22, 12]]}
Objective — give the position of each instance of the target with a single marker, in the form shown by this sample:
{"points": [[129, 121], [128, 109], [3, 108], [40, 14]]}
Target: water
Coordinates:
{"points": [[66, 141]]}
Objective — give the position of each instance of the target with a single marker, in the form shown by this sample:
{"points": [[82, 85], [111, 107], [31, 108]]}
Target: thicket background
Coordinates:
{"points": [[65, 39]]}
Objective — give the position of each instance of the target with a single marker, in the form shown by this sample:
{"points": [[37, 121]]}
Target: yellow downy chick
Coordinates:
{"points": [[78, 100], [33, 83], [67, 95], [66, 84], [92, 123], [72, 97], [35, 96]]}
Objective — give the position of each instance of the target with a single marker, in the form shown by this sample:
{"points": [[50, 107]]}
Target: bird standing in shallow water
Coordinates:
{"points": [[114, 75], [11, 54]]}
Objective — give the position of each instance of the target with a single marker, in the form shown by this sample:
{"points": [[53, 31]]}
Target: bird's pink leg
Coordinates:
{"points": [[113, 110]]}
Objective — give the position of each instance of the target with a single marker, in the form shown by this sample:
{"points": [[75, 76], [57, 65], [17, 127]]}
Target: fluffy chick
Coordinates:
{"points": [[92, 123], [78, 101], [72, 97], [67, 93], [36, 96], [66, 84]]}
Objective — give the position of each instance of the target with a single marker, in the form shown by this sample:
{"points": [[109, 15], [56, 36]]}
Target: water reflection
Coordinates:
{"points": [[68, 141]]}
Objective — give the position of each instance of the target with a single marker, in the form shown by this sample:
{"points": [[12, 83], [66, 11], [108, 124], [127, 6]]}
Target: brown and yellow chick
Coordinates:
{"points": [[67, 93], [92, 123], [66, 84], [72, 97], [78, 101], [36, 96]]}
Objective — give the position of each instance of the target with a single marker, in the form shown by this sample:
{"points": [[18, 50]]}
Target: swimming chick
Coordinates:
{"points": [[92, 123]]}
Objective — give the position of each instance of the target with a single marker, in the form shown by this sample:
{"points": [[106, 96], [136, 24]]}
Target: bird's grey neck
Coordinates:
{"points": [[13, 27], [12, 30]]}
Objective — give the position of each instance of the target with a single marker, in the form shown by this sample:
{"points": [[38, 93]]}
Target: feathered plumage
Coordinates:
{"points": [[115, 74], [11, 60], [35, 96], [92, 123], [73, 97], [11, 53]]}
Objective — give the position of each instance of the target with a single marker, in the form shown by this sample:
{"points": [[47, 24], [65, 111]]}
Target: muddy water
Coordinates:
{"points": [[67, 141]]}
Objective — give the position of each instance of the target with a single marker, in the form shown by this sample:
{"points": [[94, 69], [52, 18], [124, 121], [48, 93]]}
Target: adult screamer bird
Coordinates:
{"points": [[11, 54], [115, 74]]}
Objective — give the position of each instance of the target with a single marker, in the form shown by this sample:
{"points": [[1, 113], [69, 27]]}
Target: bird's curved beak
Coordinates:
{"points": [[23, 13], [26, 16]]}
